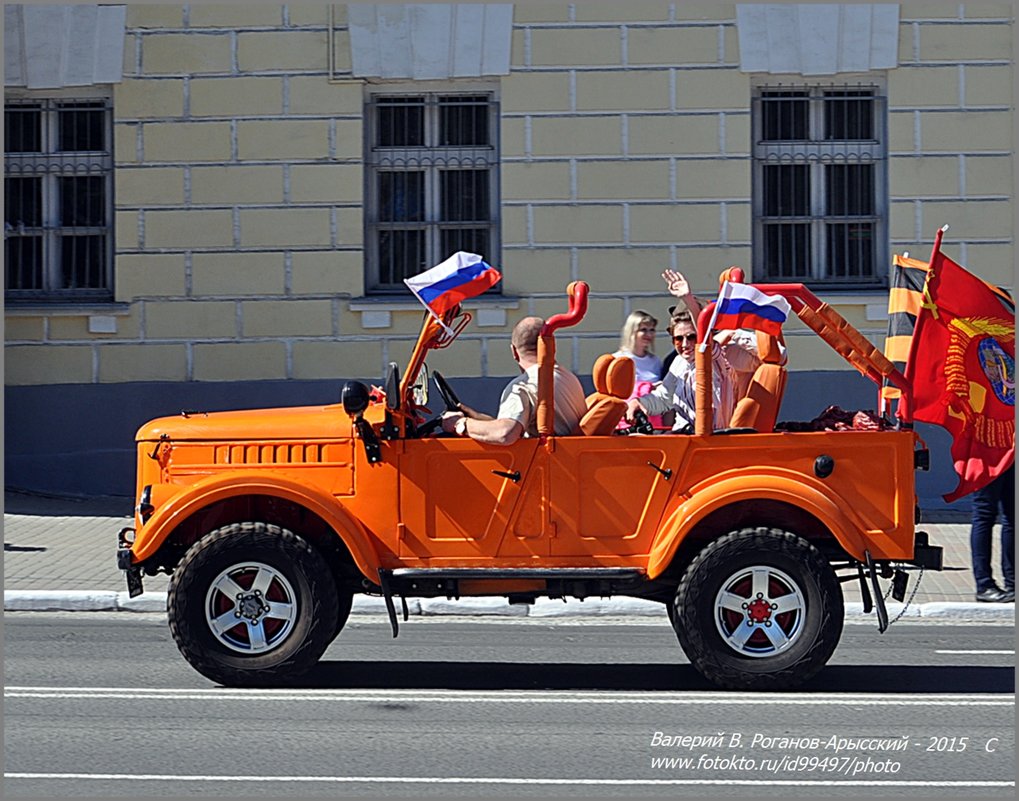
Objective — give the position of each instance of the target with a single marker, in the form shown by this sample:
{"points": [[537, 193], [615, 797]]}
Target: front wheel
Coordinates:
{"points": [[253, 604], [759, 609]]}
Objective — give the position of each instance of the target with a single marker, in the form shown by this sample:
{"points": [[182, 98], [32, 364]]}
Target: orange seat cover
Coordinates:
{"points": [[613, 383], [758, 408]]}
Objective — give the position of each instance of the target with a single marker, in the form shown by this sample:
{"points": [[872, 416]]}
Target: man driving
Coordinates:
{"points": [[517, 415]]}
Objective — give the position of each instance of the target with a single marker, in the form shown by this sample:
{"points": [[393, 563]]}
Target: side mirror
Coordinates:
{"points": [[354, 397], [393, 386]]}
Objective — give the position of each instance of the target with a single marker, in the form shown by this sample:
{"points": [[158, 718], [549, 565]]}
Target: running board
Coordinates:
{"points": [[518, 573], [433, 582]]}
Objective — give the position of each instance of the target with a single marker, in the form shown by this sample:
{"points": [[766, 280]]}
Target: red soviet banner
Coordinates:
{"points": [[962, 370]]}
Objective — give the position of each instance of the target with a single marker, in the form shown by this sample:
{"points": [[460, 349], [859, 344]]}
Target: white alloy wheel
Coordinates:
{"points": [[760, 611], [251, 608]]}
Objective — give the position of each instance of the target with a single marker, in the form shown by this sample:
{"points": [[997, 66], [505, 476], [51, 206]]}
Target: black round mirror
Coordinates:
{"points": [[354, 397]]}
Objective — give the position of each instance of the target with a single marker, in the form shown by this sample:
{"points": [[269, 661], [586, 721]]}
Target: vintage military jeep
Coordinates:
{"points": [[271, 520]]}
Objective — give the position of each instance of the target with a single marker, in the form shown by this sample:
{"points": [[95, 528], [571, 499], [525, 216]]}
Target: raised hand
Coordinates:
{"points": [[677, 283], [679, 287]]}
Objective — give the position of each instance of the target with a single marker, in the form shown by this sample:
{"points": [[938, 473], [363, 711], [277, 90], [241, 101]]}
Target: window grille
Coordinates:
{"points": [[432, 183], [58, 165], [820, 188]]}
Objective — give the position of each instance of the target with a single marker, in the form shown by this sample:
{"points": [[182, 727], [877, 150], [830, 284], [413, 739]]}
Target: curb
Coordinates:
{"points": [[113, 601]]}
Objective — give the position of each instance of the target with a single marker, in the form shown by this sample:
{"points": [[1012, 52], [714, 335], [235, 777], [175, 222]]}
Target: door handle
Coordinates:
{"points": [[513, 476], [667, 472]]}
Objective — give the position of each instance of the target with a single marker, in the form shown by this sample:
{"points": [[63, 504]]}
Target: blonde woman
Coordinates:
{"points": [[637, 342]]}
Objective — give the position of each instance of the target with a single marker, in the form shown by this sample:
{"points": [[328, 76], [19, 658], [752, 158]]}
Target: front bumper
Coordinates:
{"points": [[132, 572]]}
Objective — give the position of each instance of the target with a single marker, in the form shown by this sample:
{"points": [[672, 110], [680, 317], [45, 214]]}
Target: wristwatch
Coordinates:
{"points": [[461, 427]]}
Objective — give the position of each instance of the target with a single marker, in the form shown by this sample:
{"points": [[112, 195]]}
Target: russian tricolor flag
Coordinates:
{"points": [[742, 306], [461, 276]]}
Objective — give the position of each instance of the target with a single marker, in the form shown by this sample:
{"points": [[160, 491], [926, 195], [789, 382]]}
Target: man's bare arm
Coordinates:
{"points": [[502, 431], [473, 413]]}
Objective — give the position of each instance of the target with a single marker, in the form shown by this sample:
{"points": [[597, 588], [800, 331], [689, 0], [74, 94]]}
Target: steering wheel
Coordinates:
{"points": [[449, 397]]}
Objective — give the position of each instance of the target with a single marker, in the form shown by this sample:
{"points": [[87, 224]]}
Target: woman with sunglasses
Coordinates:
{"points": [[733, 353]]}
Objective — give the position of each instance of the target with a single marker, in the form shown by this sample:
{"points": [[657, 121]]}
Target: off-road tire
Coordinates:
{"points": [[783, 555], [304, 571], [344, 603]]}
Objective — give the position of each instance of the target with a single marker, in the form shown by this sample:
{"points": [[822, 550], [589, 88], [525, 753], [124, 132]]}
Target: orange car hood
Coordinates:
{"points": [[301, 422]]}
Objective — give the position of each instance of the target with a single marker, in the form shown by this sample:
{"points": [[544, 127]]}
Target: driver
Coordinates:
{"points": [[517, 415]]}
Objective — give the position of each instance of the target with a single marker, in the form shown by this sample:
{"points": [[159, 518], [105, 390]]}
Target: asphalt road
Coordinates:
{"points": [[102, 705]]}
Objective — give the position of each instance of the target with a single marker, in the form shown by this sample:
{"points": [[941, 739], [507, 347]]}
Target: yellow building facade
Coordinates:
{"points": [[272, 171]]}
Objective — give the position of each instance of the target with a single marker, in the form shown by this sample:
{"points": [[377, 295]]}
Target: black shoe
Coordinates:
{"points": [[994, 595], [1008, 596]]}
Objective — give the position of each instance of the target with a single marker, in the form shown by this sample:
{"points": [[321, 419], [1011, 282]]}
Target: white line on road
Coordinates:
{"points": [[506, 696], [157, 777], [1003, 652]]}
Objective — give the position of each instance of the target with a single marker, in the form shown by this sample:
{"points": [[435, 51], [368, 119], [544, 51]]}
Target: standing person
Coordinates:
{"points": [[637, 342], [1000, 493], [518, 407]]}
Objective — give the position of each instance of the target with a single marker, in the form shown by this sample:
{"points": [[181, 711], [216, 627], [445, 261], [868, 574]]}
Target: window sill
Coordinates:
{"points": [[377, 312], [65, 309]]}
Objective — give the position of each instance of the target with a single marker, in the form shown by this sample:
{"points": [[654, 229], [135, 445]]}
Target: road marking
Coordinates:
{"points": [[506, 696], [1002, 652], [639, 780]]}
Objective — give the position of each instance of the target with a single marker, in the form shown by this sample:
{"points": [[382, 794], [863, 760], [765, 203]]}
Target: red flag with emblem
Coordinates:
{"points": [[962, 370]]}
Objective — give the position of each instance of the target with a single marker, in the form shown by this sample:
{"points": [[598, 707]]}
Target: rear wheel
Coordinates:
{"points": [[253, 604], [759, 609], [344, 603]]}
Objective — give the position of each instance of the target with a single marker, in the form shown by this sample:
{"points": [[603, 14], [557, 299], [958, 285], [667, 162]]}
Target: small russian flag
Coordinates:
{"points": [[742, 306], [463, 275]]}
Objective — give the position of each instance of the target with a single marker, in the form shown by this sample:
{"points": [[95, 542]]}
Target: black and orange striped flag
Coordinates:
{"points": [[904, 300]]}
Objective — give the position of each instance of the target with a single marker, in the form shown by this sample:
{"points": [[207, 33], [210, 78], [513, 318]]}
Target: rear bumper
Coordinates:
{"points": [[925, 555]]}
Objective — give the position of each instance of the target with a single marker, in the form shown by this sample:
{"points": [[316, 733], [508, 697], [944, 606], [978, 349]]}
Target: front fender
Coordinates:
{"points": [[796, 490], [213, 489]]}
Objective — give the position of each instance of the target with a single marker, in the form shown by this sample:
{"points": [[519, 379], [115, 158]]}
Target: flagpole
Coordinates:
{"points": [[439, 320], [722, 293], [937, 241]]}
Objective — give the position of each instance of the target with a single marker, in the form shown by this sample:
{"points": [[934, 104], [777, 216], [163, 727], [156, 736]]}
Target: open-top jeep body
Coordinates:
{"points": [[271, 520]]}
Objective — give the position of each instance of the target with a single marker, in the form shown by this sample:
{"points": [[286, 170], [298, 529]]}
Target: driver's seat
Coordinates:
{"points": [[613, 384]]}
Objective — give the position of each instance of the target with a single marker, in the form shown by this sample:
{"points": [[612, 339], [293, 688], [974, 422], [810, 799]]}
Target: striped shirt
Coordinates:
{"points": [[678, 390]]}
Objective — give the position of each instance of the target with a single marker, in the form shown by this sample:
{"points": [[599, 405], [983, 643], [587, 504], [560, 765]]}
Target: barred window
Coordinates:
{"points": [[432, 183], [820, 189], [58, 166]]}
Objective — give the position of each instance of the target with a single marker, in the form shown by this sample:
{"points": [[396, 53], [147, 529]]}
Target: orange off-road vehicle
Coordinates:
{"points": [[270, 521]]}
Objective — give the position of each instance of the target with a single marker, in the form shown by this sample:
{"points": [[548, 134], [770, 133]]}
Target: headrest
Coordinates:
{"points": [[619, 377], [600, 372], [728, 275], [768, 348]]}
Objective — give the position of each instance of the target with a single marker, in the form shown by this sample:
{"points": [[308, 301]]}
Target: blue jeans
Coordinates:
{"points": [[986, 501]]}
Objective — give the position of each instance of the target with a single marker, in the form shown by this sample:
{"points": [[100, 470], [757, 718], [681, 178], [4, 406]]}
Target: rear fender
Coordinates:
{"points": [[208, 491], [798, 491]]}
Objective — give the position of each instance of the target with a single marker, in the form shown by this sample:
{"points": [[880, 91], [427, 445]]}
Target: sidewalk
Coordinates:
{"points": [[60, 554]]}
